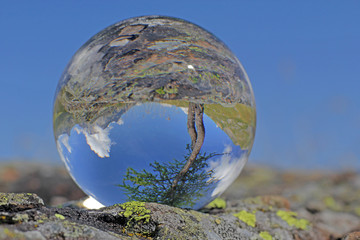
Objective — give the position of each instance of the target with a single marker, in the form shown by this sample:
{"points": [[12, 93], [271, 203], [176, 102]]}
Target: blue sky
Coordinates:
{"points": [[303, 60]]}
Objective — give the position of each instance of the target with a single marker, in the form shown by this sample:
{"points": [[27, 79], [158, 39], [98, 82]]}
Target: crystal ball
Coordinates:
{"points": [[154, 109]]}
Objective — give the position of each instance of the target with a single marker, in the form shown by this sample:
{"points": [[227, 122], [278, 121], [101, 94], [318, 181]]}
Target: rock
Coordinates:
{"points": [[337, 224], [23, 216], [352, 236], [262, 204], [330, 200], [17, 202]]}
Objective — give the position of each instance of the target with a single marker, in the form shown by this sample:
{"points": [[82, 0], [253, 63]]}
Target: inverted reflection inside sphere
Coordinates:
{"points": [[154, 109]]}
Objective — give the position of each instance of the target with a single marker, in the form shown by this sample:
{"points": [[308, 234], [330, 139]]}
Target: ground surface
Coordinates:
{"points": [[262, 204]]}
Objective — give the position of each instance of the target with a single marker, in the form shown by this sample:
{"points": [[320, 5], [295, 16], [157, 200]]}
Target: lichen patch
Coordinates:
{"points": [[246, 217], [290, 218], [135, 211]]}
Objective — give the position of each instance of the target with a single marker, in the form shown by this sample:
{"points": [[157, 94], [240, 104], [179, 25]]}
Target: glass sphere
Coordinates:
{"points": [[154, 109]]}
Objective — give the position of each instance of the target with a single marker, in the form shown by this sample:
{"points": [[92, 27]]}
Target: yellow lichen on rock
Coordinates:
{"points": [[289, 217], [265, 235], [217, 203], [246, 217], [59, 216], [136, 211], [217, 221]]}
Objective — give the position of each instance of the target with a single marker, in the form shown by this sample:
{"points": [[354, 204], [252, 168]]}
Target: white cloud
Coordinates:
{"points": [[185, 110], [99, 141], [226, 170], [63, 140], [120, 122]]}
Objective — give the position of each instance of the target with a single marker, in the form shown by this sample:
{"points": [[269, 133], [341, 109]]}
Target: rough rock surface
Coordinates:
{"points": [[262, 204], [330, 200], [23, 216]]}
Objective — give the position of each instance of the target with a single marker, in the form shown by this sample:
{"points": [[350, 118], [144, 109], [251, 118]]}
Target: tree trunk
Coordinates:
{"points": [[191, 124], [198, 109]]}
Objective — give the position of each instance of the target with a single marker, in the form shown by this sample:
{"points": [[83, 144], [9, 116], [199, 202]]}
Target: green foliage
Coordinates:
{"points": [[156, 185]]}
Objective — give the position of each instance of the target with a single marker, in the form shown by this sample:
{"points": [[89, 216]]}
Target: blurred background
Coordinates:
{"points": [[303, 60]]}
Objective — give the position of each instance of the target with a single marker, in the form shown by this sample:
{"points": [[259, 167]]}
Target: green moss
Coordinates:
{"points": [[289, 217], [246, 217], [217, 203], [265, 236], [59, 216], [135, 211]]}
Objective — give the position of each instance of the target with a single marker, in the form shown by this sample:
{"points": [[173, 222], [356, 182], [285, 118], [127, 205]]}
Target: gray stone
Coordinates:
{"points": [[333, 212], [252, 219]]}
